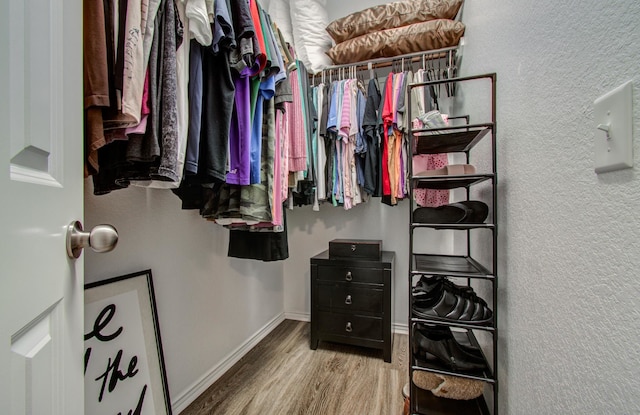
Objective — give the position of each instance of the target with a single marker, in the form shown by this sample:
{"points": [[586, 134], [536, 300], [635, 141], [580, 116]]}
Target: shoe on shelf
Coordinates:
{"points": [[443, 332], [430, 283], [427, 287], [445, 351], [467, 211], [445, 302]]}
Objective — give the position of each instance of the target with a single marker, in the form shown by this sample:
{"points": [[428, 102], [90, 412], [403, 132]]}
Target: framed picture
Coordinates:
{"points": [[124, 368]]}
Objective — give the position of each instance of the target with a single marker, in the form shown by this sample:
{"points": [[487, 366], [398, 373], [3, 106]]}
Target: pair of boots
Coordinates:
{"points": [[437, 298], [437, 344]]}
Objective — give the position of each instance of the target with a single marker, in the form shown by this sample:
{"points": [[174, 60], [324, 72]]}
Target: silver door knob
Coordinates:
{"points": [[102, 238]]}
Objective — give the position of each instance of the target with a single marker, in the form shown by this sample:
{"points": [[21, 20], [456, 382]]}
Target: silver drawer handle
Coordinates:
{"points": [[353, 248], [347, 300], [348, 277], [348, 329]]}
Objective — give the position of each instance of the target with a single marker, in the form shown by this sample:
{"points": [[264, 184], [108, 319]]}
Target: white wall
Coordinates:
{"points": [[209, 305], [337, 9], [569, 250]]}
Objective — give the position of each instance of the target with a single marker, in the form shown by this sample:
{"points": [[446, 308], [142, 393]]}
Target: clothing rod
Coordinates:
{"points": [[443, 52], [491, 76]]}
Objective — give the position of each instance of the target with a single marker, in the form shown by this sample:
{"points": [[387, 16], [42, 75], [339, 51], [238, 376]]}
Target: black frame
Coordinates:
{"points": [[105, 289]]}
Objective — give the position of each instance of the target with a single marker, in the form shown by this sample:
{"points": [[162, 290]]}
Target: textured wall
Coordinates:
{"points": [[569, 249], [337, 9], [208, 304]]}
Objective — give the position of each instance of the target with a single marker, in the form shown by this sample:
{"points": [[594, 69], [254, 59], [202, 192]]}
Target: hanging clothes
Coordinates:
{"points": [[218, 98], [421, 99], [263, 246], [96, 80], [371, 128], [153, 155]]}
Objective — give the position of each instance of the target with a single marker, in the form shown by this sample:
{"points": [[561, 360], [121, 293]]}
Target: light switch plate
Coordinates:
{"points": [[614, 111]]}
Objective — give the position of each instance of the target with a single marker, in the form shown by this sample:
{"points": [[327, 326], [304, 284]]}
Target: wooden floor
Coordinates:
{"points": [[282, 376]]}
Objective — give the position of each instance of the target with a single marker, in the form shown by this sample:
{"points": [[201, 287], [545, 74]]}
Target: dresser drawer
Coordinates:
{"points": [[356, 248], [350, 298], [347, 325], [350, 274]]}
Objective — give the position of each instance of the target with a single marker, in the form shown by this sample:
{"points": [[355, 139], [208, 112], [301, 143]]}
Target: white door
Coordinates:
{"points": [[41, 184]]}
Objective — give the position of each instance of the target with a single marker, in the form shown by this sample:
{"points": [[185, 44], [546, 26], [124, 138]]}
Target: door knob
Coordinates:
{"points": [[102, 238]]}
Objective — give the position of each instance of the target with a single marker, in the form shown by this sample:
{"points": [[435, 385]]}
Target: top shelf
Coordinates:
{"points": [[450, 139], [448, 52]]}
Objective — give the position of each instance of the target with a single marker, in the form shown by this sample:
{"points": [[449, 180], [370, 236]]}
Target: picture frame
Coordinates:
{"points": [[123, 358]]}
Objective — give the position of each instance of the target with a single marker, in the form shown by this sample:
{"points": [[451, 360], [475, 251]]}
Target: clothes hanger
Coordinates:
{"points": [[439, 75], [453, 71], [430, 73]]}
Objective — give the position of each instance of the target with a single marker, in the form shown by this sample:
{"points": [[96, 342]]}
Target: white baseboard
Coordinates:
{"points": [[184, 399], [399, 328], [297, 316]]}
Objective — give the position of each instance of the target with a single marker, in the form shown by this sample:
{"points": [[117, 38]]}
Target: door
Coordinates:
{"points": [[41, 289]]}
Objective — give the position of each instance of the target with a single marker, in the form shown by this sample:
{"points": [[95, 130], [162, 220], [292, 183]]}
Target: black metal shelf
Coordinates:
{"points": [[460, 226], [455, 139], [461, 325], [434, 367], [449, 182], [450, 139], [429, 404], [467, 338], [449, 265]]}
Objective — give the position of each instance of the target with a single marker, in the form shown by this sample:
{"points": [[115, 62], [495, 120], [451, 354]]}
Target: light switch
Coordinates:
{"points": [[614, 129]]}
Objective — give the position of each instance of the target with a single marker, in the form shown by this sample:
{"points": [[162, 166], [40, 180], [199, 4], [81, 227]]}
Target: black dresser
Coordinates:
{"points": [[352, 301]]}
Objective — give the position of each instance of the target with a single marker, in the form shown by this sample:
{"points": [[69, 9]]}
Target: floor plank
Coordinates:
{"points": [[282, 375]]}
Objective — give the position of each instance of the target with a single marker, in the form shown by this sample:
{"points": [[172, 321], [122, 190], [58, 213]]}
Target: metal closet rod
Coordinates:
{"points": [[383, 62]]}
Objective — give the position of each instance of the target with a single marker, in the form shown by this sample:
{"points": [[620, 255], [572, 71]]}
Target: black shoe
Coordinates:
{"points": [[471, 211], [445, 351], [445, 303], [445, 332], [429, 284]]}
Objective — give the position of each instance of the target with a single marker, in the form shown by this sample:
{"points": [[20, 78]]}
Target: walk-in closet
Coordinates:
{"points": [[320, 207]]}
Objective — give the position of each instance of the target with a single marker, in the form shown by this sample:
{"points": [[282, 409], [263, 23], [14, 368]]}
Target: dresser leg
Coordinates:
{"points": [[387, 354], [314, 343]]}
